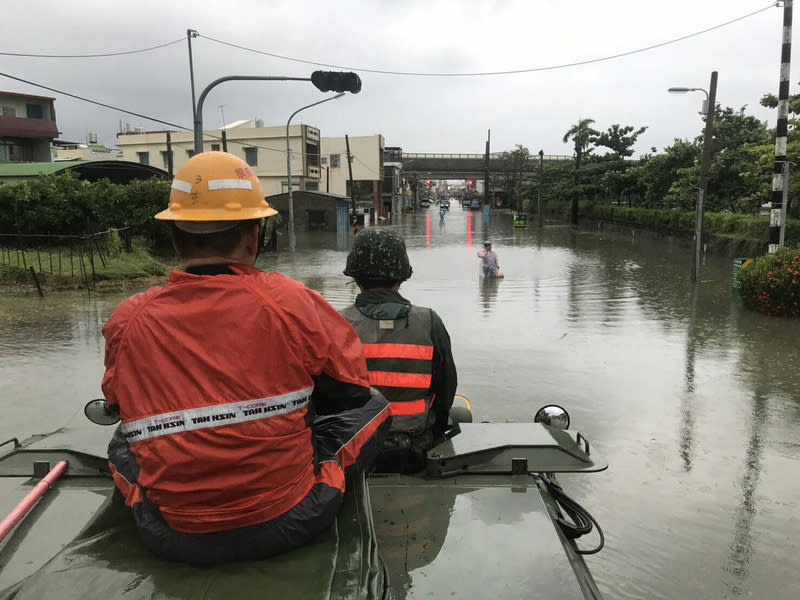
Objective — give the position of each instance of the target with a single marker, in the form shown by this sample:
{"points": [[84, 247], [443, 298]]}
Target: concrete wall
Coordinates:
{"points": [[88, 153], [367, 154]]}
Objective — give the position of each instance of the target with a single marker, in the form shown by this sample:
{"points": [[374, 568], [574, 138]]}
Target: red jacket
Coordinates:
{"points": [[212, 375]]}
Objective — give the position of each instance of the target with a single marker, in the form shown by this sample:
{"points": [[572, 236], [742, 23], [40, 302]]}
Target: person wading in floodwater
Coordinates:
{"points": [[489, 261]]}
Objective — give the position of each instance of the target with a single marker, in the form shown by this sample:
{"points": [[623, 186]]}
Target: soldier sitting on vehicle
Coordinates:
{"points": [[407, 348]]}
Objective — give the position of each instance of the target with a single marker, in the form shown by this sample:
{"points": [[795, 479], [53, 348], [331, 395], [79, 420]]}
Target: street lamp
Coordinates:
{"points": [[682, 90], [711, 97], [289, 166], [324, 81]]}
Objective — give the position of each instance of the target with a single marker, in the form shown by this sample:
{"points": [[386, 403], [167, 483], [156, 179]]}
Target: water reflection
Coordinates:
{"points": [[695, 402], [741, 550], [431, 536], [411, 529], [687, 398], [488, 287]]}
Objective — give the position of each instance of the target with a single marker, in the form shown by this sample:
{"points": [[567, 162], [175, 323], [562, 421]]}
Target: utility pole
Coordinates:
{"points": [[289, 165], [221, 108], [191, 33], [486, 174], [705, 159], [169, 155], [780, 172], [350, 171], [539, 217]]}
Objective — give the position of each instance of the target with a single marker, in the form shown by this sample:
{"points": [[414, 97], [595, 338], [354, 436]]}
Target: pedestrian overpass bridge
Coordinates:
{"points": [[464, 166]]}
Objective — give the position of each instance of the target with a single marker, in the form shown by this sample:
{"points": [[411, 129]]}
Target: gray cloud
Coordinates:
{"points": [[422, 114]]}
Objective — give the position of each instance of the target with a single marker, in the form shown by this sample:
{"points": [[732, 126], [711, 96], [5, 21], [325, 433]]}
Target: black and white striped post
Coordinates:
{"points": [[780, 173]]}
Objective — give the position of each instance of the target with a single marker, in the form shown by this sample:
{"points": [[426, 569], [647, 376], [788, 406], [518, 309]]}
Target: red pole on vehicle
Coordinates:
{"points": [[25, 505]]}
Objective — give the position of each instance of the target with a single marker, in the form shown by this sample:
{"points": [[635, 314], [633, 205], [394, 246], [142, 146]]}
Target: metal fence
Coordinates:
{"points": [[76, 257]]}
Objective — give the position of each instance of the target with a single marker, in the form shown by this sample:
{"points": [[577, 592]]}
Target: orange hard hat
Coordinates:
{"points": [[215, 186]]}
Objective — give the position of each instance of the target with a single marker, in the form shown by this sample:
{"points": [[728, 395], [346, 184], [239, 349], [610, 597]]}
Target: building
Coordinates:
{"points": [[27, 126], [64, 150], [393, 178], [313, 211], [367, 166], [263, 148], [318, 164]]}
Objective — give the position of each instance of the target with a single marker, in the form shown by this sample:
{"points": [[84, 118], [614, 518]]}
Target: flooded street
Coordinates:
{"points": [[694, 402]]}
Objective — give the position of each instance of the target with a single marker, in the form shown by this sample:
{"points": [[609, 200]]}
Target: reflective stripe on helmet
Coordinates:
{"points": [[230, 184], [182, 186]]}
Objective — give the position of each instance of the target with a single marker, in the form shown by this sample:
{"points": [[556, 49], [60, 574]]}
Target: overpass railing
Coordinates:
{"points": [[492, 156]]}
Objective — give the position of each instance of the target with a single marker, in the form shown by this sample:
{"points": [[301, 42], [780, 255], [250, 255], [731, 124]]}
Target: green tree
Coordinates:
{"points": [[792, 151], [656, 174], [620, 140], [581, 134], [734, 172], [518, 160]]}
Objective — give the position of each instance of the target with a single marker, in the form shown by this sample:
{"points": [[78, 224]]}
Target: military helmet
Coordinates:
{"points": [[378, 253]]}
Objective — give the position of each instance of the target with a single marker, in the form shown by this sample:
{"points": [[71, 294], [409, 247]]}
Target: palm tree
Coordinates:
{"points": [[580, 134]]}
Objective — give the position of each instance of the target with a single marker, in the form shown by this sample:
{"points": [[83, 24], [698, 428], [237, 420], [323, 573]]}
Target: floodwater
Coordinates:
{"points": [[694, 402]]}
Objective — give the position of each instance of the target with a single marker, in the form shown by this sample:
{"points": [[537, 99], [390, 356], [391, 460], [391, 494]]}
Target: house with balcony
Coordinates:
{"points": [[27, 127], [263, 148]]}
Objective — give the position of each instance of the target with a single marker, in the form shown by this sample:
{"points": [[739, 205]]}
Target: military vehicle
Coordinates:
{"points": [[487, 519]]}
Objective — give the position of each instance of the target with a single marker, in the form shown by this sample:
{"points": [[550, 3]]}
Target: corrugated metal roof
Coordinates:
{"points": [[31, 169], [118, 171]]}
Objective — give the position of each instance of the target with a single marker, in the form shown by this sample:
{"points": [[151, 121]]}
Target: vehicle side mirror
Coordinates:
{"points": [[98, 411], [552, 415]]}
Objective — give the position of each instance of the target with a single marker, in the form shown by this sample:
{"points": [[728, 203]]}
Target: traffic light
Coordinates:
{"points": [[336, 81], [471, 182], [428, 182]]}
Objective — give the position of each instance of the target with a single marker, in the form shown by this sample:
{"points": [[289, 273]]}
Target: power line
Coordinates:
{"points": [[366, 166], [91, 55], [135, 114], [487, 73], [127, 112]]}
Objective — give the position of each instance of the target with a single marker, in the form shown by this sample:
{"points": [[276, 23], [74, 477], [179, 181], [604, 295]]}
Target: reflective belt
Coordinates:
{"points": [[412, 407], [400, 380], [398, 351], [215, 415]]}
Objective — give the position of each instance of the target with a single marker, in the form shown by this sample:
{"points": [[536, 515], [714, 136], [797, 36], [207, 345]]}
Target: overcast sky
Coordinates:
{"points": [[418, 113]]}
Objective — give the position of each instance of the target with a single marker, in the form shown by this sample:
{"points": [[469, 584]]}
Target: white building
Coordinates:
{"points": [[318, 164], [263, 148]]}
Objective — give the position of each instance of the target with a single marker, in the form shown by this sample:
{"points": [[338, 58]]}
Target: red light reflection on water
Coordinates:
{"points": [[427, 230], [469, 229]]}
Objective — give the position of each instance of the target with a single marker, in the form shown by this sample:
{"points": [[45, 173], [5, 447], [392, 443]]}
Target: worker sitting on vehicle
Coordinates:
{"points": [[244, 396], [407, 348]]}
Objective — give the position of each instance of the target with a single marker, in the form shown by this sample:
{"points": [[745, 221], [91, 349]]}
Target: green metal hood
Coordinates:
{"points": [[513, 448]]}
